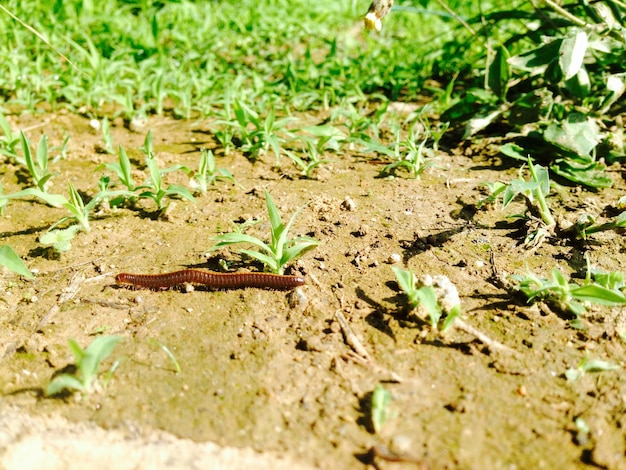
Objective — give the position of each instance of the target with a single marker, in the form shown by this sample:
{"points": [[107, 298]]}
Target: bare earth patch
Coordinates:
{"points": [[280, 373]]}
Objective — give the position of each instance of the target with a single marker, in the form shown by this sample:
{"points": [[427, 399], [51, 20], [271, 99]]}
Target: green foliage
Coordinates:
{"points": [[281, 250], [570, 297], [555, 73], [587, 365], [9, 141], [107, 138], [11, 260], [60, 239], [88, 364], [427, 297], [586, 225], [380, 407], [207, 174], [536, 189], [37, 166], [154, 187]]}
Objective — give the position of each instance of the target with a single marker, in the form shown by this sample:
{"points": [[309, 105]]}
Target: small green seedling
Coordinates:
{"points": [[10, 260], [586, 225], [61, 240], [107, 138], [62, 149], [123, 170], [258, 135], [88, 364], [9, 141], [281, 250], [380, 407], [169, 354], [495, 190], [154, 188], [408, 154], [207, 174], [37, 167], [148, 144], [440, 318], [566, 296], [324, 137], [589, 365], [536, 189]]}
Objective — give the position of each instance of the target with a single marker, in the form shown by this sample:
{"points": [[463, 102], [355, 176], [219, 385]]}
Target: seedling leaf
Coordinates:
{"points": [[11, 260]]}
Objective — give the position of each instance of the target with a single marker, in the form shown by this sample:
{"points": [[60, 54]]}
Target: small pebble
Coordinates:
{"points": [[394, 258], [348, 204]]}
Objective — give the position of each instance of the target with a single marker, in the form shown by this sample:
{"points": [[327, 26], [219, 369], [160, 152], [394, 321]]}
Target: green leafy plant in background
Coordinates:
{"points": [[207, 174], [426, 296], [11, 260], [281, 250], [555, 73], [154, 187], [107, 139], [8, 141], [38, 165], [87, 362], [259, 135]]}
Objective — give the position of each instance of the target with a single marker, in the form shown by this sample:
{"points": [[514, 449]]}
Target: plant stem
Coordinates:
{"points": [[546, 215]]}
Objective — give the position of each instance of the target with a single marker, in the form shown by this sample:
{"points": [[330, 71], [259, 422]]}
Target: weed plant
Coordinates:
{"points": [[281, 250], [87, 363], [426, 296]]}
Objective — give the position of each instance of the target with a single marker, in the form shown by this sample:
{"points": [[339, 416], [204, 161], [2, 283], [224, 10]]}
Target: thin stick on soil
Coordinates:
{"points": [[482, 337], [68, 293], [351, 339]]}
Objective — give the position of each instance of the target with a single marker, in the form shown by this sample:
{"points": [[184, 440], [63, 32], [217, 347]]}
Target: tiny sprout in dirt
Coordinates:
{"points": [[154, 188], [281, 250], [380, 407], [572, 298], [436, 294], [208, 174], [87, 363], [589, 365]]}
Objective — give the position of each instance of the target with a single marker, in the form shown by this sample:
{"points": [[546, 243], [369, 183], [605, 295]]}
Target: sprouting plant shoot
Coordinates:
{"points": [[9, 141], [10, 260], [380, 407], [60, 239], [257, 134], [440, 301], [87, 362], [148, 144], [537, 188], [281, 250], [207, 174], [107, 139], [587, 365], [570, 297], [586, 225], [37, 165], [154, 188]]}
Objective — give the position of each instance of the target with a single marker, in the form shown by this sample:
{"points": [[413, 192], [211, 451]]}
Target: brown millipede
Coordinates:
{"points": [[211, 280]]}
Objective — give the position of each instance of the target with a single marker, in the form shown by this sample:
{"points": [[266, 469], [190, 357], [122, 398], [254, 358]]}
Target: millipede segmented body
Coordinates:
{"points": [[211, 280]]}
